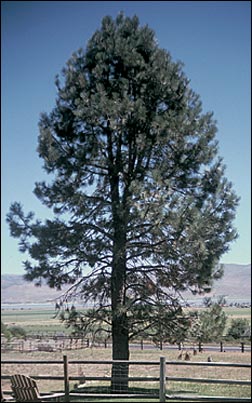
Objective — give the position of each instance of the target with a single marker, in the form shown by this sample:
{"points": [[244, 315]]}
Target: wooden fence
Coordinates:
{"points": [[163, 379]]}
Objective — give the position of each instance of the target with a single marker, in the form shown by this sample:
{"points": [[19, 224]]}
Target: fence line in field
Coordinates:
{"points": [[59, 343], [163, 378]]}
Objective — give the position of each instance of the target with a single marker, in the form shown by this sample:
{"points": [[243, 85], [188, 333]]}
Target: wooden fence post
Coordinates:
{"points": [[66, 378], [162, 380]]}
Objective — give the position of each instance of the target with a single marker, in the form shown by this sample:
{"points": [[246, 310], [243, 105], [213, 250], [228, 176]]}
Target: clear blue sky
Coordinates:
{"points": [[211, 38]]}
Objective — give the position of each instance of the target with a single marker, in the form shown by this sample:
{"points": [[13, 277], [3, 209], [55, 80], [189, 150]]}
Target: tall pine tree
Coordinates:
{"points": [[137, 188]]}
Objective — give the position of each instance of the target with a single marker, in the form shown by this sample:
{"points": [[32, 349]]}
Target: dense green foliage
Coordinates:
{"points": [[209, 324], [136, 186], [239, 328]]}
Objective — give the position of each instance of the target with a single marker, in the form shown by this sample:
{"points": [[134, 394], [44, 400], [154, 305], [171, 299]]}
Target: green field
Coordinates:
{"points": [[234, 313], [34, 321], [44, 321]]}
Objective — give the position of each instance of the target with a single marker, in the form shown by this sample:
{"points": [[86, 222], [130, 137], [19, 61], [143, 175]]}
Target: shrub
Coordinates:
{"points": [[17, 331], [5, 331]]}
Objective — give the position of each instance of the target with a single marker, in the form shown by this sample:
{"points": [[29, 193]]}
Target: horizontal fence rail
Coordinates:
{"points": [[163, 378]]}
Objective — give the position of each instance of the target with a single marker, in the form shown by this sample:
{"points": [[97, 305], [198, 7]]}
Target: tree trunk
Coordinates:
{"points": [[120, 331], [120, 371]]}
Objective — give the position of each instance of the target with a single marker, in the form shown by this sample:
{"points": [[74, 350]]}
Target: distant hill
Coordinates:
{"points": [[15, 290], [235, 284]]}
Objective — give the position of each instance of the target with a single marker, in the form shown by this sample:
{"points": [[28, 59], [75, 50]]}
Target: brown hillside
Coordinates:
{"points": [[235, 284]]}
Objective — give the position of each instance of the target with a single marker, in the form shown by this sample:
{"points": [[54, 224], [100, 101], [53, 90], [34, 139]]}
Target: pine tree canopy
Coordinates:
{"points": [[142, 207]]}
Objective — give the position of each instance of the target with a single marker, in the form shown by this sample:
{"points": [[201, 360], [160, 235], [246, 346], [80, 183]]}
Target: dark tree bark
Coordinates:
{"points": [[120, 330]]}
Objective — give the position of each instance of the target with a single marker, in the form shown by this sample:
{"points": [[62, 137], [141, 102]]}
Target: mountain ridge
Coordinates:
{"points": [[235, 284]]}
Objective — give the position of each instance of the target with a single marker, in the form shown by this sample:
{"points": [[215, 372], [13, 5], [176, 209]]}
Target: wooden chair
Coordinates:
{"points": [[25, 389], [6, 398]]}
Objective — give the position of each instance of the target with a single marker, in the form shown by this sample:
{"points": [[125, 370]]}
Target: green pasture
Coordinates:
{"points": [[232, 311], [44, 320], [33, 321], [21, 315]]}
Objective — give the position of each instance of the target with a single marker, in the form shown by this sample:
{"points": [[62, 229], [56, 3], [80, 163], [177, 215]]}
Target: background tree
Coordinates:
{"points": [[239, 328], [209, 324], [136, 186]]}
